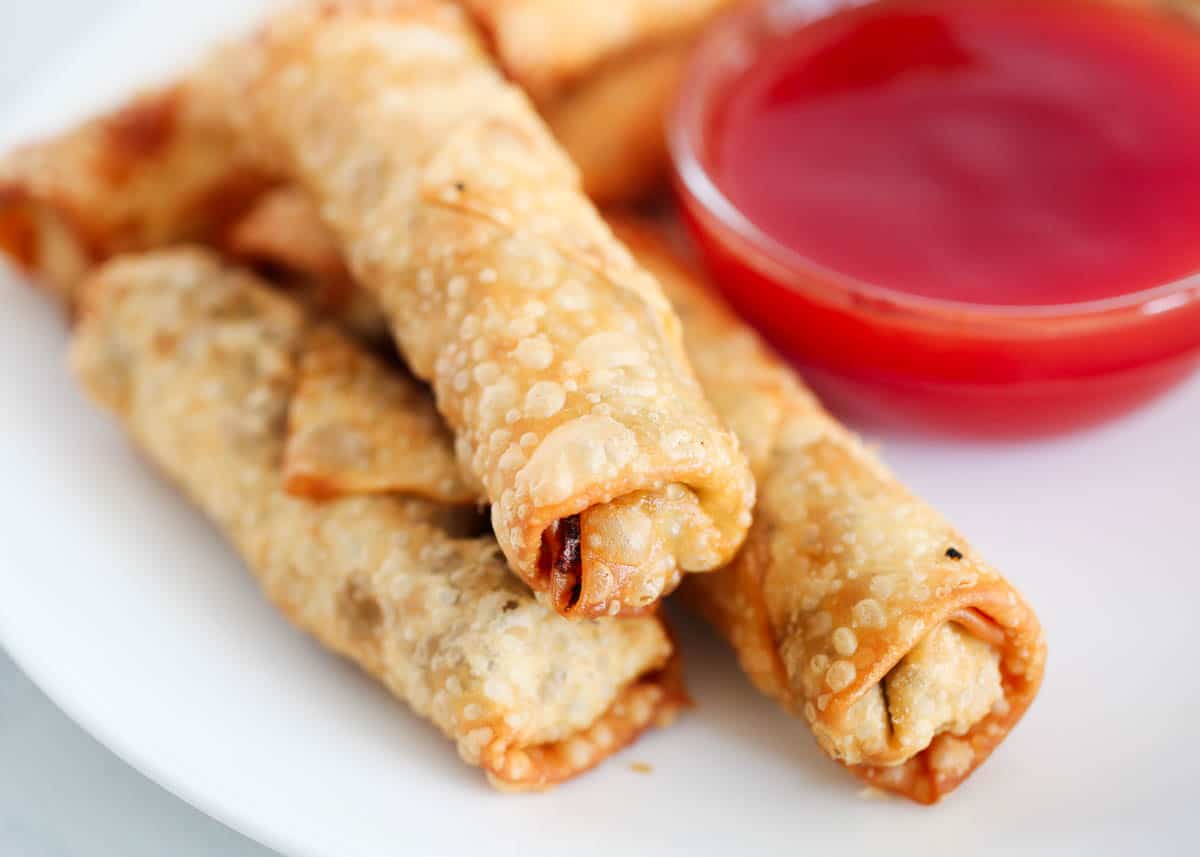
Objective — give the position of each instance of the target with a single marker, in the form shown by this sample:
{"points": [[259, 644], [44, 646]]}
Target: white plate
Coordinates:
{"points": [[125, 606]]}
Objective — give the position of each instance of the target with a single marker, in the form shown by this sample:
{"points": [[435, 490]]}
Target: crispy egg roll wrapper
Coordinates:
{"points": [[201, 364], [163, 168], [355, 427], [604, 77], [853, 603], [282, 233], [612, 124], [555, 359], [545, 45], [282, 223]]}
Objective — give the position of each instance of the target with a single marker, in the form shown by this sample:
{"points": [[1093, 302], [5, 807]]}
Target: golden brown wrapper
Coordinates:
{"points": [[545, 45], [554, 358], [356, 426], [612, 123], [846, 570], [282, 223], [200, 364], [282, 232], [163, 168], [604, 76], [853, 603]]}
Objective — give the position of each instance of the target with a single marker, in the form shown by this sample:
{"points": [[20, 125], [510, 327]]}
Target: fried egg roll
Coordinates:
{"points": [[612, 123], [163, 168], [554, 358], [853, 603], [603, 76], [202, 364], [358, 427], [545, 45], [282, 223]]}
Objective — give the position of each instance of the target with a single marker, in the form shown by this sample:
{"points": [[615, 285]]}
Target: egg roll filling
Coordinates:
{"points": [[559, 560], [630, 551], [946, 683]]}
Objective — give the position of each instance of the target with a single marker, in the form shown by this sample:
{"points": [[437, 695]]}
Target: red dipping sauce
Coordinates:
{"points": [[979, 214]]}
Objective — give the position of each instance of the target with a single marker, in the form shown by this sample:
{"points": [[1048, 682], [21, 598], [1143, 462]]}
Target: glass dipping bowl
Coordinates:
{"points": [[883, 356]]}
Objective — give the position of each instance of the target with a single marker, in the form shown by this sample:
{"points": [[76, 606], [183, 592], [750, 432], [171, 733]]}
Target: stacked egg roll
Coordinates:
{"points": [[570, 402], [613, 123], [166, 166], [546, 45], [163, 168], [209, 372], [282, 223], [603, 75], [853, 603], [554, 358]]}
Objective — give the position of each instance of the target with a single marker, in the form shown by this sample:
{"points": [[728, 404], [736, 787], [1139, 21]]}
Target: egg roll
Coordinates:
{"points": [[281, 223], [611, 123], [852, 603], [545, 45], [163, 168], [555, 360], [604, 77], [356, 426], [200, 363]]}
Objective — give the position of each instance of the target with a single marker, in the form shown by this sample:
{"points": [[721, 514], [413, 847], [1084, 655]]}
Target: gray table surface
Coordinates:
{"points": [[62, 794]]}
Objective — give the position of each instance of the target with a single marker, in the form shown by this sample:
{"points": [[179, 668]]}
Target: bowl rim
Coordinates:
{"points": [[798, 272]]}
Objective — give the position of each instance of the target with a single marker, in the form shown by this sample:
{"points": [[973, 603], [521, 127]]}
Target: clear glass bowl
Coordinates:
{"points": [[889, 356]]}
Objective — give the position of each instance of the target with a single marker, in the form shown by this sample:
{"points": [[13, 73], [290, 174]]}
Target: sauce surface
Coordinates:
{"points": [[994, 152]]}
